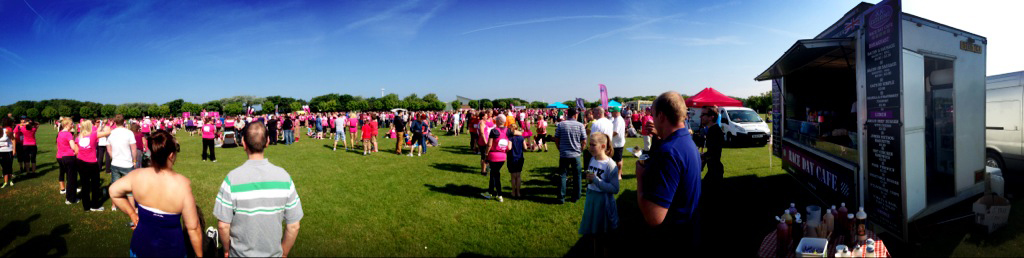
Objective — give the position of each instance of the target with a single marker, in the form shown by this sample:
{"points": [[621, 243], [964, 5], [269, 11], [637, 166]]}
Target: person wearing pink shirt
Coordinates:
{"points": [[353, 127], [88, 166], [26, 133], [67, 149], [209, 132]]}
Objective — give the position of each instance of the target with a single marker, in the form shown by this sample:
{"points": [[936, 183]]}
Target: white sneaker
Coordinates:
{"points": [[12, 181], [419, 154], [486, 195], [78, 190], [214, 161], [97, 209], [4, 186], [501, 199], [63, 191], [113, 208], [335, 149], [67, 202], [410, 154]]}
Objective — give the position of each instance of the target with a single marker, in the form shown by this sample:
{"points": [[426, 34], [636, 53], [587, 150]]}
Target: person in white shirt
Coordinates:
{"points": [[602, 125], [123, 154], [618, 135]]}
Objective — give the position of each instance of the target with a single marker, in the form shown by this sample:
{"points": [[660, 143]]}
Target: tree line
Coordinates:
{"points": [[53, 108]]}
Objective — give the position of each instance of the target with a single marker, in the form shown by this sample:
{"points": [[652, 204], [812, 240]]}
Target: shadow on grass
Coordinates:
{"points": [[50, 245], [15, 229], [458, 190], [471, 255], [455, 168], [41, 170], [457, 149]]}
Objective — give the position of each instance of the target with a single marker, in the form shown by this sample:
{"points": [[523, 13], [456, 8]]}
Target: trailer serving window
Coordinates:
{"points": [[820, 94]]}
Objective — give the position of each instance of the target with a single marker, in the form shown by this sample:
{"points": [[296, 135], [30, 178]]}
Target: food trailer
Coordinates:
{"points": [[883, 110]]}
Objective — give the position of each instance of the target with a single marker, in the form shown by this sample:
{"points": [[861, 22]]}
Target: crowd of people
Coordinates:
{"points": [[140, 156]]}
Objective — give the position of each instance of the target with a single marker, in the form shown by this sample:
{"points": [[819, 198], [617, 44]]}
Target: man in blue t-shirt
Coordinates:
{"points": [[668, 185]]}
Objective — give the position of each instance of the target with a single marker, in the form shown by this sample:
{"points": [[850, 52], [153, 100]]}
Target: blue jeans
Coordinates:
{"points": [[566, 166], [289, 137], [117, 173]]}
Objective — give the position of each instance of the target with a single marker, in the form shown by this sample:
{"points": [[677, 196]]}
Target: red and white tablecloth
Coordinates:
{"points": [[768, 246]]}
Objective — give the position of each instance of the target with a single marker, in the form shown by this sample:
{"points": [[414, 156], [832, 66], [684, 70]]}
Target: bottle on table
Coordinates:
{"points": [[782, 238], [851, 231], [842, 215], [792, 208], [861, 225], [787, 217], [829, 221]]}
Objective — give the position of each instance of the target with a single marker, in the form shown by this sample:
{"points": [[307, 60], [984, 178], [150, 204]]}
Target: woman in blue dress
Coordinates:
{"points": [[164, 200]]}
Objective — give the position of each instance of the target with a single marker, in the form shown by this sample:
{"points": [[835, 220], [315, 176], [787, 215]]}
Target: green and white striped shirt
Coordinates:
{"points": [[255, 198]]}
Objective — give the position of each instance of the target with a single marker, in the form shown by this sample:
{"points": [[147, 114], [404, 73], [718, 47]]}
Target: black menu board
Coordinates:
{"points": [[885, 196], [777, 117]]}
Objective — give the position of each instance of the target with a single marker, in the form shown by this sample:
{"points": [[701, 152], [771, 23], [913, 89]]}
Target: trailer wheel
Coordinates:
{"points": [[992, 159]]}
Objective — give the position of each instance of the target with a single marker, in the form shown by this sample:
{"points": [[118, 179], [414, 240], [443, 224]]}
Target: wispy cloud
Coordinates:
{"points": [[11, 57], [772, 30], [634, 27], [551, 19], [717, 6], [34, 10], [694, 41], [403, 20]]}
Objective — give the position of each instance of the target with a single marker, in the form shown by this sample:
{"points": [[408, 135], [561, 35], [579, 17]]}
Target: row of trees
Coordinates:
{"points": [[54, 108]]}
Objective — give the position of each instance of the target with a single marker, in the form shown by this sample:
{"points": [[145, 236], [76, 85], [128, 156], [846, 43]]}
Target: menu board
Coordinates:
{"points": [[885, 196], [777, 117]]}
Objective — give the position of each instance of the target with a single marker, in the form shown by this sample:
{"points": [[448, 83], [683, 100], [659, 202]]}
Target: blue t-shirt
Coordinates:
{"points": [[672, 177], [515, 151]]}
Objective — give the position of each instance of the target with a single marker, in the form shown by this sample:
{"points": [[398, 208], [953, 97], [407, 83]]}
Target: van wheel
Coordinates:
{"points": [[992, 159]]}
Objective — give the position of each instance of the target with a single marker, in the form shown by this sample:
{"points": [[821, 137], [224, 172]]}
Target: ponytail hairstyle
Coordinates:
{"points": [[162, 144], [601, 138]]}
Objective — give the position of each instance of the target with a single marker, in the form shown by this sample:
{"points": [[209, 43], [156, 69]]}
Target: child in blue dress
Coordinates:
{"points": [[600, 214]]}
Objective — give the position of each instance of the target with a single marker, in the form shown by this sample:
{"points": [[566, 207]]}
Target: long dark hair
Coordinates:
{"points": [[7, 123]]}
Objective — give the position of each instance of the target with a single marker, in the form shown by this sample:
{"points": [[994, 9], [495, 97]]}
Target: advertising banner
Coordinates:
{"points": [[604, 97]]}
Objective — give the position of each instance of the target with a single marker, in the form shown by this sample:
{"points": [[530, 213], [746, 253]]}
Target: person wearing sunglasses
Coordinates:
{"points": [[711, 144]]}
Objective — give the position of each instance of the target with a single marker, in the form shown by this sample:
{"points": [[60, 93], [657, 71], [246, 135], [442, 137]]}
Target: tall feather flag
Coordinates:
{"points": [[604, 97]]}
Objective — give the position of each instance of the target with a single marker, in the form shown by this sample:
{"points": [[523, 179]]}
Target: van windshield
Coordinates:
{"points": [[743, 116]]}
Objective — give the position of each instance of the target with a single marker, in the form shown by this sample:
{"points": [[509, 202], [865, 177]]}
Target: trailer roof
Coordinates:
{"points": [[811, 53]]}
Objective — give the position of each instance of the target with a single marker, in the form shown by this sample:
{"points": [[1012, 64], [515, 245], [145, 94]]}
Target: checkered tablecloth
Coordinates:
{"points": [[768, 246]]}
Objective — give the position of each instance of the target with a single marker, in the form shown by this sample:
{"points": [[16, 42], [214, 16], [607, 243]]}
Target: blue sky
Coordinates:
{"points": [[114, 51]]}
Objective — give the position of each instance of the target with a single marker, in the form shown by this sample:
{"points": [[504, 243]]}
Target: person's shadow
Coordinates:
{"points": [[52, 245], [15, 229]]}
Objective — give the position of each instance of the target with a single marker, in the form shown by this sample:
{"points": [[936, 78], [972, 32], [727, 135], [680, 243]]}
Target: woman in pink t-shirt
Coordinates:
{"points": [[28, 150], [87, 165], [66, 151], [353, 126]]}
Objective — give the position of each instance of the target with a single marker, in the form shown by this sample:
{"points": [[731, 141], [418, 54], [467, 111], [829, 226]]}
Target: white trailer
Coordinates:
{"points": [[883, 109]]}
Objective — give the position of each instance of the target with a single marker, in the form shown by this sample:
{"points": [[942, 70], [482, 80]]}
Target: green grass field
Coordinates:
{"points": [[389, 205]]}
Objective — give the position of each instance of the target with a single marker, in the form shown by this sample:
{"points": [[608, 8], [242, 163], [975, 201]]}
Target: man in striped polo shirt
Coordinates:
{"points": [[253, 200], [570, 135]]}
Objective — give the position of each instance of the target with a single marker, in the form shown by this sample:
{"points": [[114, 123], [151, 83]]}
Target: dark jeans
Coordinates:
{"points": [[7, 162], [566, 166], [494, 186], [208, 144], [72, 178], [273, 136], [91, 190], [103, 158]]}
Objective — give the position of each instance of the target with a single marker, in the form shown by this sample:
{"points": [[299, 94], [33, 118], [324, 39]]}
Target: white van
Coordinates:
{"points": [[740, 125], [1003, 121]]}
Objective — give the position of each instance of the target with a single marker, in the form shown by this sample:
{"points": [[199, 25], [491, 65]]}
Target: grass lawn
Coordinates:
{"points": [[389, 205]]}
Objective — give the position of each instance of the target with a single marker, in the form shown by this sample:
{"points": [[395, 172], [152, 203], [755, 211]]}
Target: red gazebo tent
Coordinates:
{"points": [[711, 97]]}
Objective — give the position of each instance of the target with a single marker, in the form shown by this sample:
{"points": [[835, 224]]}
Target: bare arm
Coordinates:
{"points": [[74, 146], [119, 196], [191, 218], [654, 215], [224, 231], [290, 234]]}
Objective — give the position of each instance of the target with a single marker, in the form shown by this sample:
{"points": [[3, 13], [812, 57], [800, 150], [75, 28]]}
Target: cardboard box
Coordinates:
{"points": [[991, 212]]}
